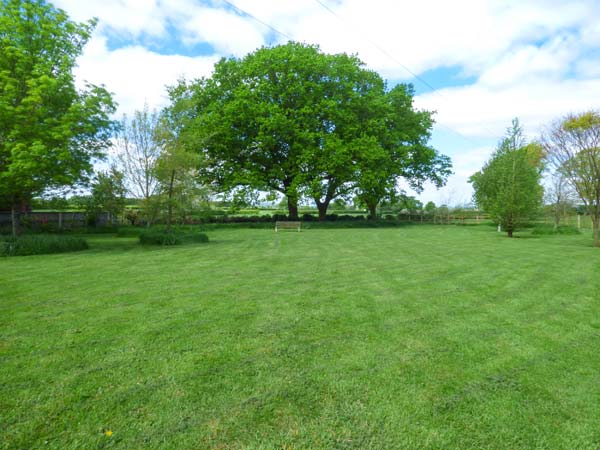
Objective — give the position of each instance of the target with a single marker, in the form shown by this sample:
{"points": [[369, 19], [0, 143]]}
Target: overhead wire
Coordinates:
{"points": [[256, 19], [370, 41], [406, 68]]}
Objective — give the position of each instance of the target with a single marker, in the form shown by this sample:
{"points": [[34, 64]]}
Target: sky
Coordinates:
{"points": [[476, 63]]}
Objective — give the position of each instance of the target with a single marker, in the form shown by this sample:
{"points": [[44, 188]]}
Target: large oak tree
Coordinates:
{"points": [[394, 146], [297, 121]]}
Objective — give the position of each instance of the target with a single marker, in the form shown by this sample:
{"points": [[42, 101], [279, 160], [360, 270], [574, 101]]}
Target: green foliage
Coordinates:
{"points": [[508, 186], [49, 131], [171, 237], [39, 244], [547, 230], [108, 194], [297, 121], [430, 207], [573, 149], [176, 170], [394, 146], [54, 203]]}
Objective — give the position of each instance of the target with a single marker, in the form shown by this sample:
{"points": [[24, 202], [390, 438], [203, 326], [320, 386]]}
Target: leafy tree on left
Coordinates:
{"points": [[50, 132]]}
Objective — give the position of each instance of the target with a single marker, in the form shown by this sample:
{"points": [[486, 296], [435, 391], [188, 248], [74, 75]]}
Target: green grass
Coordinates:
{"points": [[40, 244], [413, 337]]}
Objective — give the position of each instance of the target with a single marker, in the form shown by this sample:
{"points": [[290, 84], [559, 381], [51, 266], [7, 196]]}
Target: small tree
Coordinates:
{"points": [[176, 168], [108, 195], [138, 151], [573, 148], [559, 197], [508, 186]]}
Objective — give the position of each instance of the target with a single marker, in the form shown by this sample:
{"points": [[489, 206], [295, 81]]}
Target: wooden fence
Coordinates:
{"points": [[55, 220]]}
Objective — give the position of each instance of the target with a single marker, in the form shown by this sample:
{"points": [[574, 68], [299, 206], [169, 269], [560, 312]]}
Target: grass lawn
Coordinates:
{"points": [[413, 337]]}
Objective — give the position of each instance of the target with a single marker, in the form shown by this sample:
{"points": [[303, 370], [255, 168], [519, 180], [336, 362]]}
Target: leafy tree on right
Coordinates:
{"points": [[572, 146], [508, 186]]}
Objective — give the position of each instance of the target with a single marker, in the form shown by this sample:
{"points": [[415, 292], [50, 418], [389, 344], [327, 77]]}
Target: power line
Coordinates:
{"points": [[398, 62], [380, 48], [373, 43], [246, 13]]}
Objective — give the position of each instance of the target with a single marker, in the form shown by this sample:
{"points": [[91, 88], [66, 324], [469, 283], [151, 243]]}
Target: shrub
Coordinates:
{"points": [[546, 230], [162, 237], [39, 244]]}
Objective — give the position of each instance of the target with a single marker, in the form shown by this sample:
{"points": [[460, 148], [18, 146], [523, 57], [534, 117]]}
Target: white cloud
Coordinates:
{"points": [[427, 34], [550, 61], [137, 75], [484, 110], [125, 17], [229, 34]]}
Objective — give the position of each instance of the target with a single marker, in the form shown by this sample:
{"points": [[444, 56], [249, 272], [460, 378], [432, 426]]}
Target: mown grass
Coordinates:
{"points": [[40, 244], [413, 337]]}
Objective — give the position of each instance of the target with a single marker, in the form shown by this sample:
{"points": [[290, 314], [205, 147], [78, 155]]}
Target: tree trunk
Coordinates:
{"points": [[292, 202], [170, 207], [372, 210], [322, 207], [509, 232], [15, 220]]}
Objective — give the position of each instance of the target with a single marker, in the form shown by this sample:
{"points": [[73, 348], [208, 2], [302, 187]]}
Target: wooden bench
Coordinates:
{"points": [[287, 225]]}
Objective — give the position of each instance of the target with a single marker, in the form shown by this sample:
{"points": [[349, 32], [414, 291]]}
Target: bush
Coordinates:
{"points": [[39, 244], [162, 237], [546, 230]]}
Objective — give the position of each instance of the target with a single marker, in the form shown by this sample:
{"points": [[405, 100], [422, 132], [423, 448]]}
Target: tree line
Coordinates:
{"points": [[287, 120]]}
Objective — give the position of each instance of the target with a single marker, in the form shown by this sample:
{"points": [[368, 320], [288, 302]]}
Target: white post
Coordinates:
{"points": [[499, 228]]}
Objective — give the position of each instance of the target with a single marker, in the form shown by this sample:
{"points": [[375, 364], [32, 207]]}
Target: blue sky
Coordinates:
{"points": [[487, 60]]}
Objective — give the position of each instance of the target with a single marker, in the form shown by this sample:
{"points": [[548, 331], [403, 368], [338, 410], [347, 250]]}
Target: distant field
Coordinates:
{"points": [[409, 337]]}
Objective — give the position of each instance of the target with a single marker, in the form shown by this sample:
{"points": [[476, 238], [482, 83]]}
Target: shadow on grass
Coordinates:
{"points": [[105, 244]]}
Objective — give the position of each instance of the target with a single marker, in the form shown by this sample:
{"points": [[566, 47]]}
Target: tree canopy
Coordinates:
{"points": [[49, 130], [508, 186], [573, 148], [294, 120]]}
